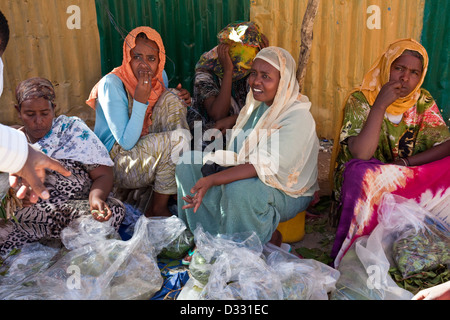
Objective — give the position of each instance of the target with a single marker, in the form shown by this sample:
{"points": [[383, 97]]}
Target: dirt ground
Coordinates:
{"points": [[319, 235]]}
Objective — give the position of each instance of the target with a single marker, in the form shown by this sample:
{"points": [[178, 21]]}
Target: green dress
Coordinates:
{"points": [[241, 206], [420, 128]]}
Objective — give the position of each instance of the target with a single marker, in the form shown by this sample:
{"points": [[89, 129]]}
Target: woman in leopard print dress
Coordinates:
{"points": [[87, 190]]}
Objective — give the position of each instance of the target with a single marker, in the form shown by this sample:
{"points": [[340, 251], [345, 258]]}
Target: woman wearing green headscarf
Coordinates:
{"points": [[220, 84]]}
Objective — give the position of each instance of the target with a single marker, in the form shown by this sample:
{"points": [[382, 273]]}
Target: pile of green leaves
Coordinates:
{"points": [[421, 251], [422, 280], [422, 257]]}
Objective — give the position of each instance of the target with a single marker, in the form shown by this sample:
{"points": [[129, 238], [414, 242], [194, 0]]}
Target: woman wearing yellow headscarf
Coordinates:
{"points": [[139, 120], [389, 119]]}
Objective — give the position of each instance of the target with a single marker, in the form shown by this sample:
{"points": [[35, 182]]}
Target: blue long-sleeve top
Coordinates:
{"points": [[112, 121]]}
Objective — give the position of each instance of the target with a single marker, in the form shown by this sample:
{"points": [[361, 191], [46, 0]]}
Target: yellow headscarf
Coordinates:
{"points": [[377, 76], [245, 40]]}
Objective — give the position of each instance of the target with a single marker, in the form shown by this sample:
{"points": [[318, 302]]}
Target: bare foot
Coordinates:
{"points": [[277, 238]]}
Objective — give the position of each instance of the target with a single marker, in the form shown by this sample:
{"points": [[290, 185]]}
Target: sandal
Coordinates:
{"points": [[187, 259], [286, 247]]}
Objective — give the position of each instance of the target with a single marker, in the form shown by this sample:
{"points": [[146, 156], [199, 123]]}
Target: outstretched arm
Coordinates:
{"points": [[102, 184], [240, 172], [25, 163], [433, 154]]}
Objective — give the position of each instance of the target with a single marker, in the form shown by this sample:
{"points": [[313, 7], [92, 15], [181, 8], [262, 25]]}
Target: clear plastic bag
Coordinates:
{"points": [[209, 249], [241, 274], [19, 282], [302, 279], [424, 249], [170, 237], [106, 269], [366, 265], [238, 267], [95, 265], [86, 230]]}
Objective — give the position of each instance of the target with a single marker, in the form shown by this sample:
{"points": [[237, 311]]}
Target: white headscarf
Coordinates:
{"points": [[283, 146]]}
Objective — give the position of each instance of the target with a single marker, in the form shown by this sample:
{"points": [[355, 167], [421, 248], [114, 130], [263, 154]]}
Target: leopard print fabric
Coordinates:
{"points": [[47, 218]]}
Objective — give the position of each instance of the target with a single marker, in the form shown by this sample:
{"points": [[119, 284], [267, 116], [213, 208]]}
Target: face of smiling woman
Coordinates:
{"points": [[263, 81]]}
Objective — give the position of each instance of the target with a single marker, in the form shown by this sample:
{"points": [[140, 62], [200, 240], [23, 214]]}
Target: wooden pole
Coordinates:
{"points": [[306, 40]]}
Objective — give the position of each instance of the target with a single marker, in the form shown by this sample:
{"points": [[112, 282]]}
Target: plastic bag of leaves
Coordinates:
{"points": [[210, 248], [422, 280], [178, 248], [108, 269], [422, 249]]}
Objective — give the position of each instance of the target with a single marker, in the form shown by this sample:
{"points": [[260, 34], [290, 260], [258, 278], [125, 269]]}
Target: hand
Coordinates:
{"points": [[144, 87], [100, 210], [199, 191], [439, 292], [388, 94], [184, 94], [223, 52], [28, 200], [33, 175]]}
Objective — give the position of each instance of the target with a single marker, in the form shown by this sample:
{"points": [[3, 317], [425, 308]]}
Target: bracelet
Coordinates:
{"points": [[405, 161]]}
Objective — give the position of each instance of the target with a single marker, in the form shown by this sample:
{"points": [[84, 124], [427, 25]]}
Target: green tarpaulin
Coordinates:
{"points": [[436, 39], [187, 27]]}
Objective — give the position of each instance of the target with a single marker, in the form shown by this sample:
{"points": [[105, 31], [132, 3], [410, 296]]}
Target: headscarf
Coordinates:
{"points": [[69, 138], [125, 73], [245, 40], [35, 88], [377, 76], [293, 172]]}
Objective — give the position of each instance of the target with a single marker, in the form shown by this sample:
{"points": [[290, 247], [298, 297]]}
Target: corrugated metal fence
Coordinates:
{"points": [[46, 41], [187, 27], [436, 39], [348, 36], [343, 47]]}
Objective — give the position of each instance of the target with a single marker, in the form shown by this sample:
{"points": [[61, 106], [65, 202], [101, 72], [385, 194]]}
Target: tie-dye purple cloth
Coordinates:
{"points": [[366, 181]]}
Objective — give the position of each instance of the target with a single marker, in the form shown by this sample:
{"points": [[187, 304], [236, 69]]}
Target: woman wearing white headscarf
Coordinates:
{"points": [[269, 171]]}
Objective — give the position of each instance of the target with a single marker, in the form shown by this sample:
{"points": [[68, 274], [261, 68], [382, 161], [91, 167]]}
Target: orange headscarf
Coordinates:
{"points": [[125, 73]]}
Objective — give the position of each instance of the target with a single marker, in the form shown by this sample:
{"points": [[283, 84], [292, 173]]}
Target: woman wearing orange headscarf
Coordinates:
{"points": [[389, 119], [139, 121]]}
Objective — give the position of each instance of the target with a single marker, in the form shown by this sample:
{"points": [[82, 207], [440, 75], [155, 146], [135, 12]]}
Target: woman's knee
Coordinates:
{"points": [[247, 191]]}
